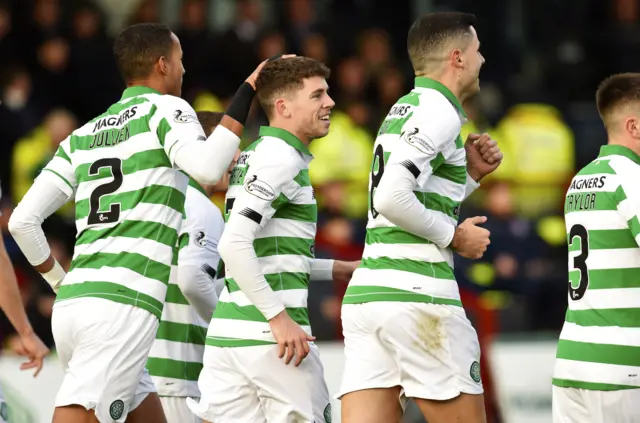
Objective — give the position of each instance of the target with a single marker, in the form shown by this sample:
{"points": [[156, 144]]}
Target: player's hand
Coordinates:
{"points": [[31, 347], [292, 340], [254, 76], [469, 240], [483, 155], [343, 270]]}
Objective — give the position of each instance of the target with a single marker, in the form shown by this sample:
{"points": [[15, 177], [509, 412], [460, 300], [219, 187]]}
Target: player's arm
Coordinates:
{"points": [[332, 270], [254, 205], [197, 264], [51, 190], [410, 165], [178, 128]]}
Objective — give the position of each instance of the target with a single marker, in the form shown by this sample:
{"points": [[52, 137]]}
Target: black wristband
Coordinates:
{"points": [[241, 103]]}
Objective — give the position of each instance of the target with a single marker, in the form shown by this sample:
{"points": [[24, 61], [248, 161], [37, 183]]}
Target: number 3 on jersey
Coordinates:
{"points": [[579, 263], [96, 216], [377, 169]]}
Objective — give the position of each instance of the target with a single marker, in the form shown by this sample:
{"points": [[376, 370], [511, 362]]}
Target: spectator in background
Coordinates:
{"points": [[315, 46], [352, 81], [374, 49], [238, 46], [45, 23], [301, 21], [198, 47], [148, 11], [34, 151], [51, 76], [91, 65]]}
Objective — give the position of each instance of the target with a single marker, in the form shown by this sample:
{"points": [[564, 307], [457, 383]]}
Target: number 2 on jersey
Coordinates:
{"points": [[377, 169], [95, 216], [580, 261]]}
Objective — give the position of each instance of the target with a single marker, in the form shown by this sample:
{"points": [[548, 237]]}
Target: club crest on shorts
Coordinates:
{"points": [[474, 371], [116, 409], [327, 413]]}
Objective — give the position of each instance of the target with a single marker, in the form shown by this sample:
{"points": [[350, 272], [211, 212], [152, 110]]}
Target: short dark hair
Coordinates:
{"points": [[285, 75], [139, 47], [209, 120], [432, 32], [616, 91]]}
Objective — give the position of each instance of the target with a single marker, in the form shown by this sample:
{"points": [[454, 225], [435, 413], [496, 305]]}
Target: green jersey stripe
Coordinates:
{"points": [[302, 178], [219, 341], [164, 367], [183, 242], [622, 355], [634, 227], [163, 129], [566, 383], [175, 296], [112, 136], [393, 235], [111, 291], [362, 294], [154, 231], [133, 261], [143, 160], [300, 212], [232, 311], [181, 332], [453, 173], [624, 317], [153, 194], [278, 281], [593, 201], [593, 168], [439, 270], [279, 245], [62, 154], [438, 202], [609, 278], [607, 239]]}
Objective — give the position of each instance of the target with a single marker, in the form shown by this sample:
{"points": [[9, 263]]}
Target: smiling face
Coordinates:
{"points": [[294, 94], [310, 108]]}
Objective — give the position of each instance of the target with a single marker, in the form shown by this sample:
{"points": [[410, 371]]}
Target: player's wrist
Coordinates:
{"points": [[241, 103], [54, 276]]}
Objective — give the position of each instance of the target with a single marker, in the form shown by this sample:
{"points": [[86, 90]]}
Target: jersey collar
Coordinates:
{"points": [[286, 136], [137, 90], [424, 82], [608, 150]]}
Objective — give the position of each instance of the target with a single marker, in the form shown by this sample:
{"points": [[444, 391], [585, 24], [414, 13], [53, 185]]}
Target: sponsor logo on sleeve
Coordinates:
{"points": [[260, 189], [181, 116], [420, 141]]}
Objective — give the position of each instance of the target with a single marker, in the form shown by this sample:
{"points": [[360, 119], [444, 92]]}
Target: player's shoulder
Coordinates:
{"points": [[433, 106], [623, 165], [279, 151], [179, 109]]}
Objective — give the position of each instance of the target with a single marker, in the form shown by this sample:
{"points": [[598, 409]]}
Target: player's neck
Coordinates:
{"points": [[630, 143], [149, 83], [284, 125], [449, 80]]}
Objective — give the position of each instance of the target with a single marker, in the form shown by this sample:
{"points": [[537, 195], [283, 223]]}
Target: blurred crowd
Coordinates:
{"points": [[544, 61]]}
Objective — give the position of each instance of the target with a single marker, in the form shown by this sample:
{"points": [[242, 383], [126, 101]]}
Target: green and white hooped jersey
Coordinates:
{"points": [[599, 346], [176, 356], [129, 197], [270, 185], [422, 133]]}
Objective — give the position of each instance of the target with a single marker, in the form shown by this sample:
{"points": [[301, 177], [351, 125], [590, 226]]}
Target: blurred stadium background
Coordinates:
{"points": [[544, 61]]}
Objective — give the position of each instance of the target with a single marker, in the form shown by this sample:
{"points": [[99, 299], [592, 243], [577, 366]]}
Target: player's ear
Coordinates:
{"points": [[632, 126], [283, 108], [163, 65], [456, 58]]}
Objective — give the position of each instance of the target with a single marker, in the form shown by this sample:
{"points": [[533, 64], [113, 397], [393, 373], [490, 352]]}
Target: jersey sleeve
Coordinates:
{"points": [[60, 166], [627, 197], [267, 187], [424, 139], [176, 124]]}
